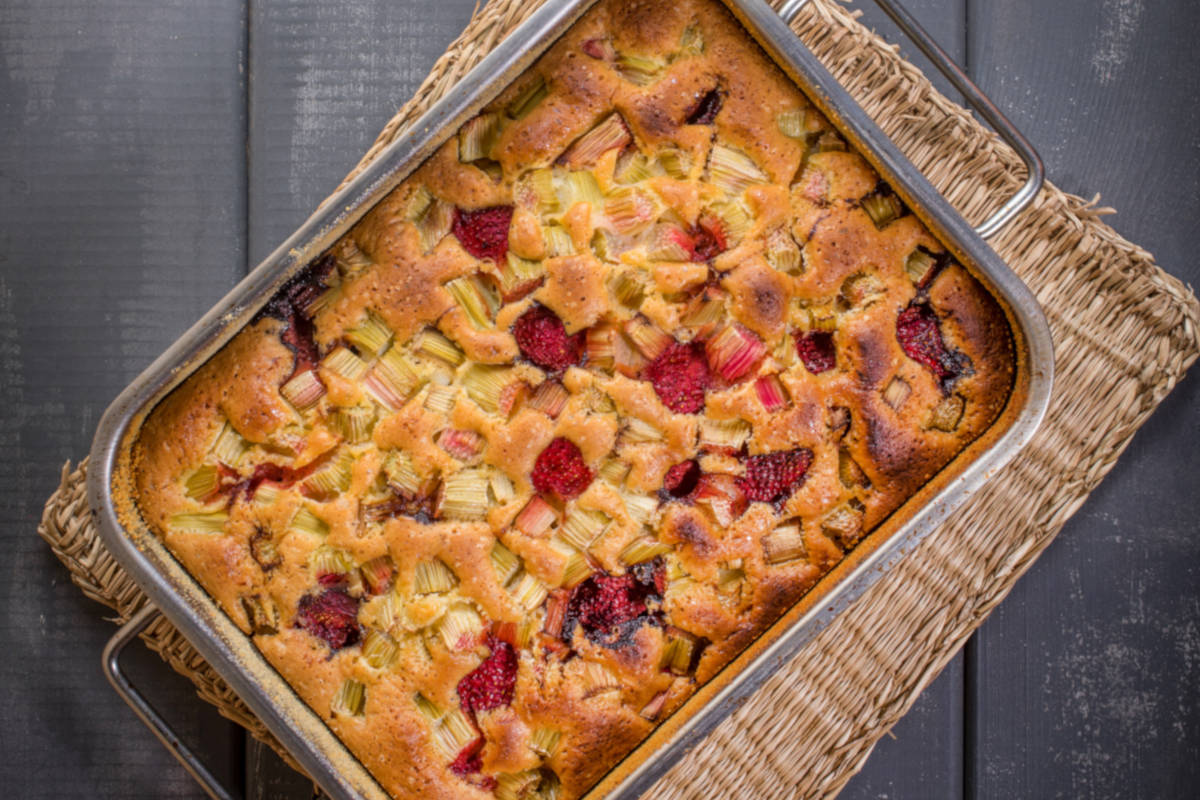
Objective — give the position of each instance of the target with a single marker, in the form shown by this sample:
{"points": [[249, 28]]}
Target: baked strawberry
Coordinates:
{"points": [[680, 376], [331, 616], [706, 108], [920, 337], [543, 339], [490, 685], [772, 477], [816, 350], [483, 233], [469, 759], [290, 305], [560, 470], [681, 480], [610, 608]]}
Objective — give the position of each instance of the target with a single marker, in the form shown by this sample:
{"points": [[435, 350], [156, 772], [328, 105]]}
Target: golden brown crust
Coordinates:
{"points": [[397, 477]]}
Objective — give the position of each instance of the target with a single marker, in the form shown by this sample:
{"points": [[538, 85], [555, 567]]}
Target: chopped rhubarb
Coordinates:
{"points": [[772, 477], [543, 339], [921, 339], [816, 350], [600, 49], [331, 616], [682, 479], [491, 684], [734, 352], [611, 133], [723, 495], [706, 108], [680, 377], [560, 470], [483, 233], [707, 238], [771, 393], [611, 608]]}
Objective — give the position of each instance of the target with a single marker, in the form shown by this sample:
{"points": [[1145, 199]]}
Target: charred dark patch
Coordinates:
{"points": [[289, 304], [611, 608], [706, 108]]}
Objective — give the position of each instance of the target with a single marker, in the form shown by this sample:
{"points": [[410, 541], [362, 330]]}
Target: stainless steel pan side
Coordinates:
{"points": [[234, 656]]}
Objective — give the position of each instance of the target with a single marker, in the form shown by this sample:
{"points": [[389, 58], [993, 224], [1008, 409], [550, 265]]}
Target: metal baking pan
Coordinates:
{"points": [[177, 596]]}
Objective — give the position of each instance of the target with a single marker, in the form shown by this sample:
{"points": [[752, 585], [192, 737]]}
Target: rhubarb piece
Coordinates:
{"points": [[542, 338], [400, 474], [726, 435], [344, 363], [632, 167], [675, 162], [734, 352], [307, 523], [638, 431], [493, 388], [652, 709], [839, 422], [705, 310], [433, 217], [519, 277], [735, 221], [536, 518], [783, 253], [631, 210], [262, 614], [380, 650], [691, 42], [440, 398], [708, 239], [371, 336], [706, 108], [896, 392], [491, 684], [465, 496], [611, 133], [577, 186], [528, 99], [947, 414], [455, 734], [681, 479], [646, 337], [550, 398], [264, 551], [681, 652], [477, 137], [643, 550], [638, 70], [680, 377], [601, 346], [535, 191], [858, 290], [771, 393], [350, 700], [850, 474], [463, 445], [791, 123], [882, 207], [229, 447], [202, 483], [845, 523], [599, 49], [610, 608], [732, 171], [560, 470], [831, 142], [331, 616], [483, 232], [354, 424], [920, 337], [435, 344], [544, 741], [722, 495], [433, 577], [200, 522], [785, 543], [477, 299], [558, 241], [460, 627], [627, 288], [505, 563], [772, 477], [528, 592], [331, 479], [534, 784], [378, 574], [583, 527], [918, 264], [304, 390], [817, 351], [326, 561], [730, 577]]}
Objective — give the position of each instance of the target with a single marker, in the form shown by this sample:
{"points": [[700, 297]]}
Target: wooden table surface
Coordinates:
{"points": [[152, 150]]}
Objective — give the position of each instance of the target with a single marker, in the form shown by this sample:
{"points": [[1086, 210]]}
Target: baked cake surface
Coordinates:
{"points": [[575, 413]]}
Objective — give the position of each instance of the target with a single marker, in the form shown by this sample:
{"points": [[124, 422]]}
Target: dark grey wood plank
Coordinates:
{"points": [[120, 221], [324, 80], [1085, 681]]}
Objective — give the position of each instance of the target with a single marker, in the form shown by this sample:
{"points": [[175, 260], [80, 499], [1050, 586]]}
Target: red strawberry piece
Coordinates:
{"points": [[469, 760], [706, 239], [772, 477], [289, 305], [610, 608], [680, 376], [920, 337], [331, 616], [560, 470], [816, 350], [483, 233], [491, 684], [543, 339], [681, 480], [706, 108]]}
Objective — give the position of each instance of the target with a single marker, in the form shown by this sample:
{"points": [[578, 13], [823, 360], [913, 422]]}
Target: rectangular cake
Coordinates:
{"points": [[575, 413]]}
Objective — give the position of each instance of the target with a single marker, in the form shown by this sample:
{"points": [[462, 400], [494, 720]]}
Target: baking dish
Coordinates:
{"points": [[190, 608]]}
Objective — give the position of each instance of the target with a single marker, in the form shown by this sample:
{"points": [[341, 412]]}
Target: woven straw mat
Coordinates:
{"points": [[814, 723]]}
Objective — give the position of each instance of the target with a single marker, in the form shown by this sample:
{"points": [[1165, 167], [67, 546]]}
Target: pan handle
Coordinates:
{"points": [[790, 9], [111, 663]]}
